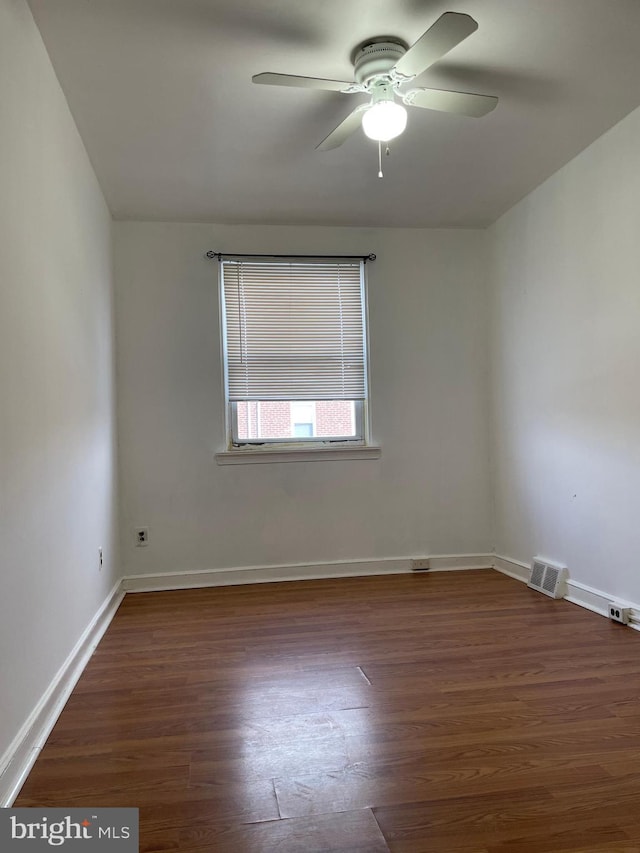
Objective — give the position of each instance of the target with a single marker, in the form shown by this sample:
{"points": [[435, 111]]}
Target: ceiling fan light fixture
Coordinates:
{"points": [[382, 65], [384, 121]]}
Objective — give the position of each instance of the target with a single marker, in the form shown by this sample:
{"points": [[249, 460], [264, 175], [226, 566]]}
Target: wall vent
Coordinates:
{"points": [[548, 578]]}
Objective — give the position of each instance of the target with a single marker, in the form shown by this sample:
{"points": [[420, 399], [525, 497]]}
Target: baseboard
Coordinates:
{"points": [[578, 593], [598, 601], [588, 597], [23, 751], [512, 568], [302, 571], [460, 562]]}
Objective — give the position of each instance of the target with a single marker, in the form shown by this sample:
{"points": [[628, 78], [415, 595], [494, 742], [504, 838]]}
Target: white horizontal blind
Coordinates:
{"points": [[294, 330]]}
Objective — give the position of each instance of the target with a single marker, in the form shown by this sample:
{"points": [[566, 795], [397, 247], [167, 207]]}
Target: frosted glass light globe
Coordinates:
{"points": [[384, 121]]}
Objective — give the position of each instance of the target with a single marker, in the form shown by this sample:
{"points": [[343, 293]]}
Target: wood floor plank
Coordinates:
{"points": [[266, 751], [345, 832], [369, 784], [526, 821], [452, 712], [167, 806], [562, 840]]}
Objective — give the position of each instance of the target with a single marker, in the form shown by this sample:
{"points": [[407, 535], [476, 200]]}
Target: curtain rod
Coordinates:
{"points": [[220, 255]]}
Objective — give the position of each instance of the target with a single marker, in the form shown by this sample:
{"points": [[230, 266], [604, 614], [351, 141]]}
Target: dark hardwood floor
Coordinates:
{"points": [[450, 713]]}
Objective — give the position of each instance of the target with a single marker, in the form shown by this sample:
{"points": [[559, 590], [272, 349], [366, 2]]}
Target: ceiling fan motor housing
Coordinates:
{"points": [[375, 59]]}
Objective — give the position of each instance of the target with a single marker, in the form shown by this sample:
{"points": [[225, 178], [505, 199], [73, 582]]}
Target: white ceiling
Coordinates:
{"points": [[161, 92]]}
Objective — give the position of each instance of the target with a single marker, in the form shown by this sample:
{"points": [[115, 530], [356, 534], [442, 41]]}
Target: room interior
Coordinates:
{"points": [[502, 311]]}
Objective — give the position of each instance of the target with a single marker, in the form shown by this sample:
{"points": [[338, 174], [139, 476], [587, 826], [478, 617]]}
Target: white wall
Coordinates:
{"points": [[57, 472], [566, 360], [429, 493]]}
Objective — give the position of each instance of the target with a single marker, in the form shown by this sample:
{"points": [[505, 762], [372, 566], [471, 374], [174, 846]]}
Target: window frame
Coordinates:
{"points": [[359, 439], [359, 442]]}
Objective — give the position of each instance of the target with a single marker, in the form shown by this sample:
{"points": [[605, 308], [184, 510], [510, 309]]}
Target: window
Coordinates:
{"points": [[303, 430], [303, 419], [294, 347]]}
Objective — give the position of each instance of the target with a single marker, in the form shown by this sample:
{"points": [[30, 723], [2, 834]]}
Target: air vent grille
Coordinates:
{"points": [[537, 574], [547, 578], [550, 581]]}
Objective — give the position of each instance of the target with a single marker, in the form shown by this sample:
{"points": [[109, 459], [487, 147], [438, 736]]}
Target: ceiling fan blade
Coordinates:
{"points": [[463, 103], [447, 32], [344, 130], [301, 82]]}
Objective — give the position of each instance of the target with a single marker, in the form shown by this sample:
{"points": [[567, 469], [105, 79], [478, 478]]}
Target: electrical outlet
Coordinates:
{"points": [[100, 559], [618, 613], [421, 564], [142, 536]]}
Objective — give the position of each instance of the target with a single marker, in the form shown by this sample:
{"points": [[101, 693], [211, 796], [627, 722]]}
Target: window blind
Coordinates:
{"points": [[294, 331]]}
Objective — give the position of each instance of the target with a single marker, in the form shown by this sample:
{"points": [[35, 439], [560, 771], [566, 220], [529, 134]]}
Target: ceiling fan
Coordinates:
{"points": [[383, 65]]}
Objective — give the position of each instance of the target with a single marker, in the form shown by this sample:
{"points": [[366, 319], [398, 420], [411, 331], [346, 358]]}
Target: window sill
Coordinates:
{"points": [[297, 454]]}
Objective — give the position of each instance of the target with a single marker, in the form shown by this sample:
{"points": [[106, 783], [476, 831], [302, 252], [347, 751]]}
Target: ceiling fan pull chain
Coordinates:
{"points": [[380, 175], [388, 151]]}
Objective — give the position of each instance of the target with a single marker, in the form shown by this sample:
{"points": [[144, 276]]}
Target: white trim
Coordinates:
{"points": [[513, 568], [598, 601], [274, 453], [19, 758], [578, 593], [588, 597], [460, 562], [302, 571], [264, 574], [22, 753]]}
